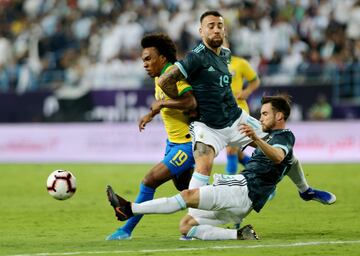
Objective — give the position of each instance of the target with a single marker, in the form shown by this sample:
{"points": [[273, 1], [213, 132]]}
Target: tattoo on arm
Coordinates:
{"points": [[167, 81]]}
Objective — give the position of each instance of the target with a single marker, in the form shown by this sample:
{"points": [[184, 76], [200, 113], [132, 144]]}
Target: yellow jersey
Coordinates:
{"points": [[240, 70], [175, 121]]}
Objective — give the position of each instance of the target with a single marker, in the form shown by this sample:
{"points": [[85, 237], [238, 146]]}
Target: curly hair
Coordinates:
{"points": [[162, 43]]}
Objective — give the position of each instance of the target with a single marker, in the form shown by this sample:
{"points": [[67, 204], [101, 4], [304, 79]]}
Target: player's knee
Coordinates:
{"points": [[150, 181], [231, 150]]}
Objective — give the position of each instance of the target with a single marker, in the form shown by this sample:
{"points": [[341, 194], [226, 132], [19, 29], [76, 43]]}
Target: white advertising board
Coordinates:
{"points": [[316, 142]]}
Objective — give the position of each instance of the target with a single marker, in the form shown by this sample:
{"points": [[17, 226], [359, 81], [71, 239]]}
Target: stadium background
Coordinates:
{"points": [[71, 70]]}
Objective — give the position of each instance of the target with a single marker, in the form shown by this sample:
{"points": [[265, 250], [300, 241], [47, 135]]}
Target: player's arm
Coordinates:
{"points": [[251, 87], [251, 76], [275, 154], [145, 119], [184, 102], [168, 80]]}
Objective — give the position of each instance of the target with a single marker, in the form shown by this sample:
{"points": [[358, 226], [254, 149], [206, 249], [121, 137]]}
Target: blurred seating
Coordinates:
{"points": [[49, 44]]}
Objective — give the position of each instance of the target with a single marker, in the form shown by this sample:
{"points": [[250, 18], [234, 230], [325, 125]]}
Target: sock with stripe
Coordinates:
{"points": [[208, 232], [161, 205], [198, 180]]}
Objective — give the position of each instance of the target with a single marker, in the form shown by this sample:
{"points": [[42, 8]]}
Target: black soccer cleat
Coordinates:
{"points": [[247, 233], [121, 206]]}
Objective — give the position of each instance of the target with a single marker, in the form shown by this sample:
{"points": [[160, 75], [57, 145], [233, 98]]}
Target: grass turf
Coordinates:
{"points": [[33, 223]]}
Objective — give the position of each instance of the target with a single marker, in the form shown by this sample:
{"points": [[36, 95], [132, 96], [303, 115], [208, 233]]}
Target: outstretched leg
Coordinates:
{"points": [[296, 174]]}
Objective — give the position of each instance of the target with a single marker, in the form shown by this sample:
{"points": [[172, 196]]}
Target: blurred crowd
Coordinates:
{"points": [[94, 44]]}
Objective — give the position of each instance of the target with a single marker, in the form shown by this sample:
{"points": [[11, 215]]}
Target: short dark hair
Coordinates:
{"points": [[280, 103], [208, 13], [163, 44]]}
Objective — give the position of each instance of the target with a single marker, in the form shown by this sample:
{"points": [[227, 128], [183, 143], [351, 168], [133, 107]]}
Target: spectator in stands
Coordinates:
{"points": [[321, 109]]}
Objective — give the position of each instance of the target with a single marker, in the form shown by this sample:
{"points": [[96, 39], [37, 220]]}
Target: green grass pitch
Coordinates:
{"points": [[34, 224]]}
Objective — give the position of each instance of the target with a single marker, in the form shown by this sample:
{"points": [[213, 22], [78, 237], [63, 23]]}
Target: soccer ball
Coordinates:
{"points": [[61, 184]]}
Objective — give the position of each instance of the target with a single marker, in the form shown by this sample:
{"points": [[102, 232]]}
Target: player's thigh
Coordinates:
{"points": [[179, 158], [157, 175], [239, 139], [208, 136], [227, 192]]}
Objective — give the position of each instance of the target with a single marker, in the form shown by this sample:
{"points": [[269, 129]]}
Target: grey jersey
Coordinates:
{"points": [[262, 174], [210, 78]]}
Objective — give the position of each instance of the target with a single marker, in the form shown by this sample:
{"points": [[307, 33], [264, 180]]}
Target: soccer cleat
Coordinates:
{"points": [[323, 197], [118, 235], [186, 238], [121, 206], [247, 233]]}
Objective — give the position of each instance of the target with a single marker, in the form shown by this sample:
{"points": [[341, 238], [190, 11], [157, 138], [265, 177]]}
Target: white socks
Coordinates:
{"points": [[207, 232], [297, 176], [161, 205], [198, 180]]}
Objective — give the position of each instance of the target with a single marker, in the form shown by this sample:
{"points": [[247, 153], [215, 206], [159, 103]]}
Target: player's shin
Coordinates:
{"points": [[145, 194], [161, 205], [296, 174]]}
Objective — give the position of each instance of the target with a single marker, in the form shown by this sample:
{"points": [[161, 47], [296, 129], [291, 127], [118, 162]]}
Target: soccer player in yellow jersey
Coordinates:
{"points": [[159, 53], [241, 70]]}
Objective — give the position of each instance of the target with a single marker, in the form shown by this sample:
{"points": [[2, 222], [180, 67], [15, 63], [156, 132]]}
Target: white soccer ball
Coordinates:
{"points": [[61, 184]]}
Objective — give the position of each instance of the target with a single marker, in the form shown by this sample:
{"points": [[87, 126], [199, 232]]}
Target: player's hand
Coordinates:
{"points": [[248, 131], [144, 120]]}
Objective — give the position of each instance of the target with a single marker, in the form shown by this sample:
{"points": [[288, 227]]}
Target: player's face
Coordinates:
{"points": [[212, 31], [153, 62], [268, 117]]}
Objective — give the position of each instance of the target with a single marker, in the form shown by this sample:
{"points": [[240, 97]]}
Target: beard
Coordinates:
{"points": [[215, 43], [268, 127]]}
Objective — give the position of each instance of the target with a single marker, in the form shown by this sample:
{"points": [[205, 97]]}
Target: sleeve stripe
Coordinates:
{"points": [[187, 89], [182, 70], [282, 147], [256, 77]]}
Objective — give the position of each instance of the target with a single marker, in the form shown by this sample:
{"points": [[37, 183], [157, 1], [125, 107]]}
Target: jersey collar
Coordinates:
{"points": [[165, 68]]}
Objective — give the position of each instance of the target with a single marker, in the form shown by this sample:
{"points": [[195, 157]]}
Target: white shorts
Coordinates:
{"points": [[218, 139], [226, 201]]}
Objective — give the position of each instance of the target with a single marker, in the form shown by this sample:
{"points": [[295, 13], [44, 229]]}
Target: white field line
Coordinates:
{"points": [[299, 244]]}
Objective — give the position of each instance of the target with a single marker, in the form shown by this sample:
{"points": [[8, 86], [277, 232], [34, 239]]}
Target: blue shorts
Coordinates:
{"points": [[178, 157]]}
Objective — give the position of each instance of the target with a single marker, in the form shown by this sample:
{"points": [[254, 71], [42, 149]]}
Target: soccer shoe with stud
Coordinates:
{"points": [[121, 206], [186, 238], [119, 234], [323, 197], [247, 233]]}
